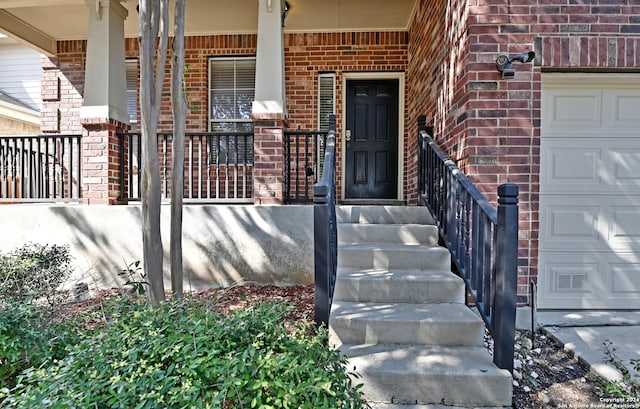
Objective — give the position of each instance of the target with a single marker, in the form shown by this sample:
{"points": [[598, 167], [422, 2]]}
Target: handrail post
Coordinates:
{"points": [[321, 255], [506, 276]]}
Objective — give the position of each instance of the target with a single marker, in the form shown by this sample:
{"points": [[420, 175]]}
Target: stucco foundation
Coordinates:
{"points": [[222, 245]]}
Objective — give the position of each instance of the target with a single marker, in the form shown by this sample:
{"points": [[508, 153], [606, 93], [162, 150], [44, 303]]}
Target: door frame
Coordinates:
{"points": [[348, 76]]}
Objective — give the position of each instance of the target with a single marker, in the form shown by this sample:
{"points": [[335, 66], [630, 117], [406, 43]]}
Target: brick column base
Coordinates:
{"points": [[268, 159], [101, 160]]}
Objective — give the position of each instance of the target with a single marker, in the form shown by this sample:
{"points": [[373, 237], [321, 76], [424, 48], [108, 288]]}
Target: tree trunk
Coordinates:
{"points": [[178, 99], [154, 18]]}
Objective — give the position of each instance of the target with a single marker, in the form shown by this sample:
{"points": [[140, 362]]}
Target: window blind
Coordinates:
{"points": [[131, 68], [326, 106]]}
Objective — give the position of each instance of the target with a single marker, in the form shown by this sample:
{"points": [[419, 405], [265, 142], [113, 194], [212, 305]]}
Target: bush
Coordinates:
{"points": [[34, 271], [179, 355], [28, 339]]}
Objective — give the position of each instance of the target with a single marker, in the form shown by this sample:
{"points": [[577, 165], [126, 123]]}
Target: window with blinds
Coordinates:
{"points": [[231, 95], [131, 67], [326, 106], [232, 90]]}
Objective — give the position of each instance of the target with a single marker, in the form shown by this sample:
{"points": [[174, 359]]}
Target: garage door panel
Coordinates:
{"points": [[625, 166], [625, 280], [572, 110], [590, 222], [563, 282], [589, 280], [601, 166], [568, 167], [572, 223], [624, 228], [623, 108]]}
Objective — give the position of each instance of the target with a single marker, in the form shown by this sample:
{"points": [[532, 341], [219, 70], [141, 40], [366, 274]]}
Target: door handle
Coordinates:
{"points": [[347, 135]]}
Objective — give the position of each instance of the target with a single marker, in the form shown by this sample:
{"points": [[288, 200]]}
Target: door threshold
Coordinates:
{"points": [[372, 202]]}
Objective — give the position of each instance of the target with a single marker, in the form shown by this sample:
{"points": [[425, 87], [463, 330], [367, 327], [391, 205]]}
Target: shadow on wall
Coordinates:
{"points": [[222, 245], [232, 244]]}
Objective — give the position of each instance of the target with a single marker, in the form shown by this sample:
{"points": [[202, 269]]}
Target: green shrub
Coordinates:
{"points": [[627, 389], [179, 355], [34, 271], [28, 339]]}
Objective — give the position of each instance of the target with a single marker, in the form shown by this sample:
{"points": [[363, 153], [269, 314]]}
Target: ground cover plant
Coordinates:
{"points": [[194, 353]]}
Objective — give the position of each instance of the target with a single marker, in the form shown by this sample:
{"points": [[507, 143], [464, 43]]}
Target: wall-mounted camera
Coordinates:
{"points": [[505, 66]]}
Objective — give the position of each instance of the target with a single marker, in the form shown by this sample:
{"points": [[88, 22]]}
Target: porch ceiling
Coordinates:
{"points": [[46, 21]]}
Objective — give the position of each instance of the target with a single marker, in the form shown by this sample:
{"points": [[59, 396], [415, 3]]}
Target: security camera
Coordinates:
{"points": [[504, 63], [524, 57]]}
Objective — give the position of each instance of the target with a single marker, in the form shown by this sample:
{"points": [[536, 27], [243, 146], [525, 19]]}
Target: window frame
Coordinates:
{"points": [[210, 120], [220, 153], [321, 127], [130, 64]]}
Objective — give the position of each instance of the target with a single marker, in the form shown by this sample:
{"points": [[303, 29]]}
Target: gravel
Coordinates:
{"points": [[546, 375]]}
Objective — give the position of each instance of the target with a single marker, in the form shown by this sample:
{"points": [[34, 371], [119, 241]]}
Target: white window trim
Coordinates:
{"points": [[209, 71]]}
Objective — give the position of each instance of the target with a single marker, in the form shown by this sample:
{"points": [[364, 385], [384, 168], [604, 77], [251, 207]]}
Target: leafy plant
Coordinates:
{"points": [[135, 277], [34, 271], [29, 339], [181, 355], [626, 389]]}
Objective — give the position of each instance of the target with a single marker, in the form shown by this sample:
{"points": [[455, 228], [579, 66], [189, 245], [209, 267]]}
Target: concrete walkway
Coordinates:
{"points": [[587, 334]]}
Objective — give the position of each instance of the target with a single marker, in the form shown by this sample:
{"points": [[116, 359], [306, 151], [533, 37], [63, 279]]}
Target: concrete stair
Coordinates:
{"points": [[399, 315]]}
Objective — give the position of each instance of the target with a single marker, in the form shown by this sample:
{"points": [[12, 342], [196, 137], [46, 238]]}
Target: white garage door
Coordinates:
{"points": [[589, 247]]}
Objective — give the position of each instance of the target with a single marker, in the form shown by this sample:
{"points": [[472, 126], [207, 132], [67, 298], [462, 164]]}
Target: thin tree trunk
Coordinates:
{"points": [[154, 18], [177, 159]]}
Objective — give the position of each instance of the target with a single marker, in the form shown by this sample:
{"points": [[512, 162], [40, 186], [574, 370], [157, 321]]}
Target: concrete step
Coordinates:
{"points": [[384, 214], [404, 323], [384, 285], [393, 256], [452, 376], [388, 233]]}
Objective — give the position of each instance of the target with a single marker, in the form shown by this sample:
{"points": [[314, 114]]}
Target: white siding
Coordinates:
{"points": [[21, 74]]}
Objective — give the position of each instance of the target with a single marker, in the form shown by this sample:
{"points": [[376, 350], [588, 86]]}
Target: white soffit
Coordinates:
{"points": [[68, 19]]}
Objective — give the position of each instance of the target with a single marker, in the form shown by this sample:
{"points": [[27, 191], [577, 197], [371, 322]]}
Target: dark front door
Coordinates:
{"points": [[371, 139]]}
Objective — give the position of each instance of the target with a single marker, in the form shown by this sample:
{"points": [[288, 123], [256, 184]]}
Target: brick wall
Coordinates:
{"points": [[306, 55], [62, 88], [309, 54], [489, 125]]}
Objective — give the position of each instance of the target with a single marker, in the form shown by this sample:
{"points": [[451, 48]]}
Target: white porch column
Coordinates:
{"points": [[269, 60], [269, 112], [104, 111], [105, 80]]}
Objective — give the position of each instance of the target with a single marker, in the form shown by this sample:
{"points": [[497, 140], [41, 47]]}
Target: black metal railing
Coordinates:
{"points": [[218, 166], [304, 151], [483, 241], [325, 230], [40, 168]]}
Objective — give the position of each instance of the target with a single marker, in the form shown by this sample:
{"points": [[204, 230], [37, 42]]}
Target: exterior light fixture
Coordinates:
{"points": [[504, 63], [285, 11]]}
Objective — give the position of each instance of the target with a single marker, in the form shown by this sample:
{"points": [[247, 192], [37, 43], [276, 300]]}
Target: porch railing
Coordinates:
{"points": [[325, 230], [483, 241], [218, 166], [40, 168], [304, 151]]}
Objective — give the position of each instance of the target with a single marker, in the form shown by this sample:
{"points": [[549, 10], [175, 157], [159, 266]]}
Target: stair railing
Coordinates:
{"points": [[325, 231], [483, 241]]}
